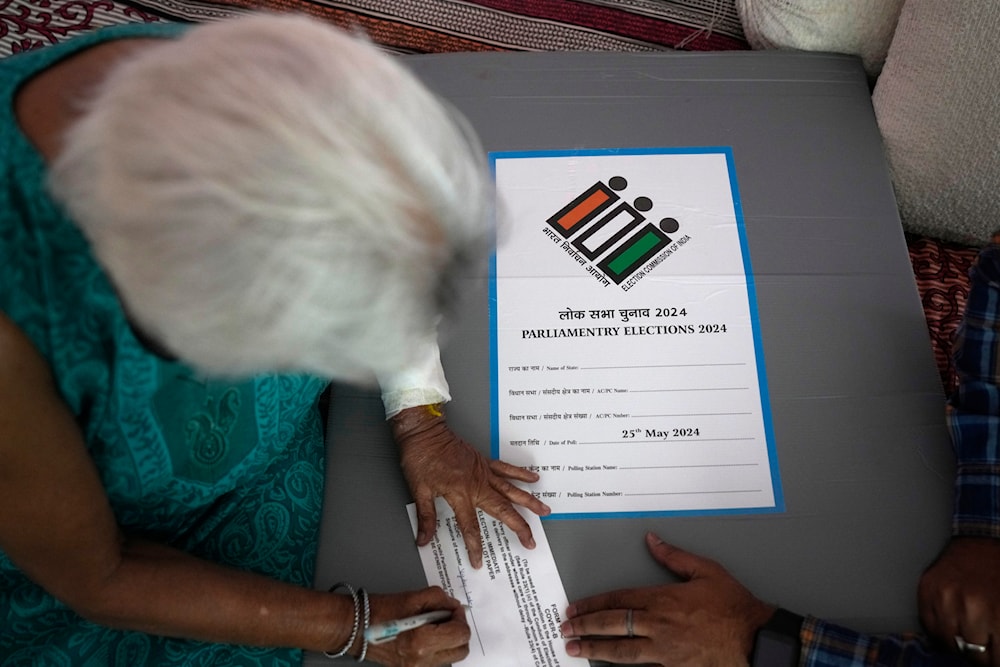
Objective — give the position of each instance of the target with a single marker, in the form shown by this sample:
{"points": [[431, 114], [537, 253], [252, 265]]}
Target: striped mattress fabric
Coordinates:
{"points": [[420, 26], [435, 26]]}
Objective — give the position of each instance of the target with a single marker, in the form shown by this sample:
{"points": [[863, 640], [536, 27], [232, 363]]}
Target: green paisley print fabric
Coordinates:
{"points": [[231, 471]]}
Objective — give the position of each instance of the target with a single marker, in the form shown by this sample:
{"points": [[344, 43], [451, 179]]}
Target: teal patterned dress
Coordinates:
{"points": [[228, 471]]}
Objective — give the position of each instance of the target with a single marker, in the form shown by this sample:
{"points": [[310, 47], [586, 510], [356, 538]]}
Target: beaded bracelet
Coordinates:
{"points": [[357, 619], [368, 619]]}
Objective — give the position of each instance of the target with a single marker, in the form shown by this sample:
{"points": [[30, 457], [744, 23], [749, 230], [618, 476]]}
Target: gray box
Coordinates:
{"points": [[856, 402]]}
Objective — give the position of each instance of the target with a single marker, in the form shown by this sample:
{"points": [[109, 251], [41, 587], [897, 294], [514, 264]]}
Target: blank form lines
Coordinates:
{"points": [[655, 391], [646, 442], [612, 368], [695, 493], [696, 414], [685, 467]]}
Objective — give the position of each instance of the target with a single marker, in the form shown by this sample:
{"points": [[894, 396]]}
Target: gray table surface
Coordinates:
{"points": [[857, 404]]}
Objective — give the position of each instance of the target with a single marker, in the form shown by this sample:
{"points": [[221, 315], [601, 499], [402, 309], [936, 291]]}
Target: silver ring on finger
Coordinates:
{"points": [[628, 623], [969, 646]]}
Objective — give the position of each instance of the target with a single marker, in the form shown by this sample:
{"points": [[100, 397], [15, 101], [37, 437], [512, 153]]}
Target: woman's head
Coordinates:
{"points": [[271, 193]]}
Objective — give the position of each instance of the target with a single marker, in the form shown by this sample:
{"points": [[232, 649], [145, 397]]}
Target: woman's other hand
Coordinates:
{"points": [[436, 462]]}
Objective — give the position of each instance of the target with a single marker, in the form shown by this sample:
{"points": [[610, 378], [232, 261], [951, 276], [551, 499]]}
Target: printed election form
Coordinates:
{"points": [[516, 599], [627, 361]]}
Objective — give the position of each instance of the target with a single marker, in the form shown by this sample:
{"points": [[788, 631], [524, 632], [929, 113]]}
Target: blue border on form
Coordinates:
{"points": [[772, 455]]}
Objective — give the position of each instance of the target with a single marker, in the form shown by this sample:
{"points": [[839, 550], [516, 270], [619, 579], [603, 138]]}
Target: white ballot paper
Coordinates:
{"points": [[628, 369], [516, 599]]}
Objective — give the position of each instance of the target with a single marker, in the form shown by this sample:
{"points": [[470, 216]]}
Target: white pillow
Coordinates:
{"points": [[859, 27], [938, 107]]}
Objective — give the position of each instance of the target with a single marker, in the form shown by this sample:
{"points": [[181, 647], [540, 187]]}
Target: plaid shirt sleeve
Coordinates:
{"points": [[828, 645], [974, 410], [973, 416]]}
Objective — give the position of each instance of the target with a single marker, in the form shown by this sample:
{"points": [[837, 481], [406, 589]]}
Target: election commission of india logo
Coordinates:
{"points": [[612, 238]]}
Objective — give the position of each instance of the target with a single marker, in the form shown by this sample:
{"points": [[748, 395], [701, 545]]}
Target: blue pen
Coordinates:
{"points": [[385, 632]]}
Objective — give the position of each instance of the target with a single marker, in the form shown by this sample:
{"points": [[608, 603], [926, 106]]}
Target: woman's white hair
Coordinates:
{"points": [[272, 193]]}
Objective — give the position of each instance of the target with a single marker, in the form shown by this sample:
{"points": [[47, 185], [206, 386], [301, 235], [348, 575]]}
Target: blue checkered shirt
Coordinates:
{"points": [[973, 416]]}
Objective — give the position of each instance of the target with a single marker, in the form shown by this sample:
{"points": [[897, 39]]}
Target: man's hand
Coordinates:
{"points": [[708, 620], [436, 462], [959, 596]]}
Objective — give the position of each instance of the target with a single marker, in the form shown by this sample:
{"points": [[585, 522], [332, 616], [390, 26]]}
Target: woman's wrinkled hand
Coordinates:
{"points": [[431, 645], [709, 619], [436, 462]]}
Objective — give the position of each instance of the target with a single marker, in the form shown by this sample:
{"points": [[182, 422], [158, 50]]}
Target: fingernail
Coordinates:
{"points": [[566, 629], [653, 538], [421, 536], [573, 648], [571, 611], [531, 543]]}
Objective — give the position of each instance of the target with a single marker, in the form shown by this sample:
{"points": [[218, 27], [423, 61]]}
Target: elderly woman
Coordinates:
{"points": [[183, 214]]}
